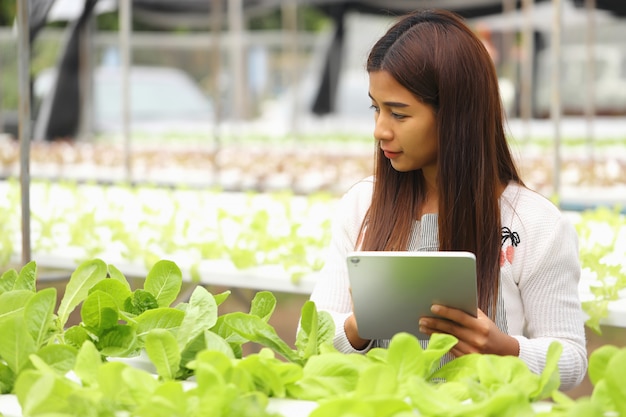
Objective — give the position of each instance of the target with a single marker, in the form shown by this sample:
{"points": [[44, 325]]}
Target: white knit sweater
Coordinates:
{"points": [[539, 275]]}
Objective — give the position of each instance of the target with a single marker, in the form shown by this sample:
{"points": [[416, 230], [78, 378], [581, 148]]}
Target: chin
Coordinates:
{"points": [[401, 168]]}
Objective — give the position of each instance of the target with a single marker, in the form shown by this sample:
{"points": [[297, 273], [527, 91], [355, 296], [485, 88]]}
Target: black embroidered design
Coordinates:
{"points": [[508, 234]]}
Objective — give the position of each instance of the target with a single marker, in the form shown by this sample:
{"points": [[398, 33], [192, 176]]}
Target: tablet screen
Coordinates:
{"points": [[392, 290]]}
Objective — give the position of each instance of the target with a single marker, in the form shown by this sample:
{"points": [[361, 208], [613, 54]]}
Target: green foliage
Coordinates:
{"points": [[119, 322], [309, 19], [8, 9], [268, 229], [52, 377], [607, 365], [141, 225], [11, 219], [342, 384], [602, 254]]}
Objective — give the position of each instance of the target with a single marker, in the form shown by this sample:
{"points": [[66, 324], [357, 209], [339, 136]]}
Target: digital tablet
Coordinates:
{"points": [[392, 290]]}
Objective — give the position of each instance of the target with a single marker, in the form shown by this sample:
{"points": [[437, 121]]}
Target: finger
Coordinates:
{"points": [[456, 352], [453, 314], [426, 329], [437, 325], [461, 349], [466, 336]]}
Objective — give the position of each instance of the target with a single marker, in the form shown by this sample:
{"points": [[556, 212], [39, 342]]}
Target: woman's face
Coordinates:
{"points": [[405, 127]]}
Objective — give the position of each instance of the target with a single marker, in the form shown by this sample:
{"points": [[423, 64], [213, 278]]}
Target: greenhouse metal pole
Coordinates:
{"points": [[215, 20], [236, 28], [555, 108], [590, 103], [508, 40], [24, 132], [528, 43], [125, 13], [85, 78], [290, 37]]}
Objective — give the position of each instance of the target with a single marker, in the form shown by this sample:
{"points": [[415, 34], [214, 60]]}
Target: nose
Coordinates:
{"points": [[382, 131]]}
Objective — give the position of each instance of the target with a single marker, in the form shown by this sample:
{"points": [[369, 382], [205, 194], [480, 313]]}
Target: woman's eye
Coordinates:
{"points": [[395, 115]]}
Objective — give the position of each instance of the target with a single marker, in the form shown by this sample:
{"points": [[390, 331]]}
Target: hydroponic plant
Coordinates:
{"points": [[199, 366], [122, 323], [602, 233], [141, 225]]}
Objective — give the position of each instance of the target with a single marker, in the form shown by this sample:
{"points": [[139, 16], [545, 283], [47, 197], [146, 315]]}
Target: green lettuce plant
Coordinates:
{"points": [[199, 364], [116, 389], [122, 323], [26, 325], [403, 381], [604, 258], [123, 222], [607, 366], [246, 236]]}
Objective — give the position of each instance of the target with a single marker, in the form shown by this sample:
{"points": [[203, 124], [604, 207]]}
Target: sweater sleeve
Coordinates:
{"points": [[552, 310], [332, 290]]}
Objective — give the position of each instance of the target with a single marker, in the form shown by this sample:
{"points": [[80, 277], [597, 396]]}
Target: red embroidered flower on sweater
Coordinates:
{"points": [[507, 253]]}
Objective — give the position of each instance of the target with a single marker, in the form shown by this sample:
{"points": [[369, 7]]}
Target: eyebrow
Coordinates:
{"points": [[391, 103]]}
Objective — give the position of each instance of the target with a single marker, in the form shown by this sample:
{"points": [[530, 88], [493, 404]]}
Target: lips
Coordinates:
{"points": [[390, 154]]}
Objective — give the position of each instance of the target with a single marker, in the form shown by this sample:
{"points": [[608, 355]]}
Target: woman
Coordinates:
{"points": [[444, 179]]}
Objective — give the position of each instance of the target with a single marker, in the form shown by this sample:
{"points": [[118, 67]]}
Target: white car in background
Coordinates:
{"points": [[162, 100]]}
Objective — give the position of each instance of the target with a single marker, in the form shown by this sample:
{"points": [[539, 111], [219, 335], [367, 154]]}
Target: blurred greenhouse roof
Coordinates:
{"points": [[196, 14], [191, 11]]}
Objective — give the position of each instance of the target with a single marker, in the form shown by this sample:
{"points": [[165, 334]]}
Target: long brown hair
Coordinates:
{"points": [[435, 56]]}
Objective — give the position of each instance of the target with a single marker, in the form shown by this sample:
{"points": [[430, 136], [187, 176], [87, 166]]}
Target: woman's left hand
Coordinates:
{"points": [[475, 334]]}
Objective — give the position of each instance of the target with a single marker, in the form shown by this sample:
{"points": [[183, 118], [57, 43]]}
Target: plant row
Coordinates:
{"points": [[329, 163], [140, 225], [197, 355], [602, 237]]}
